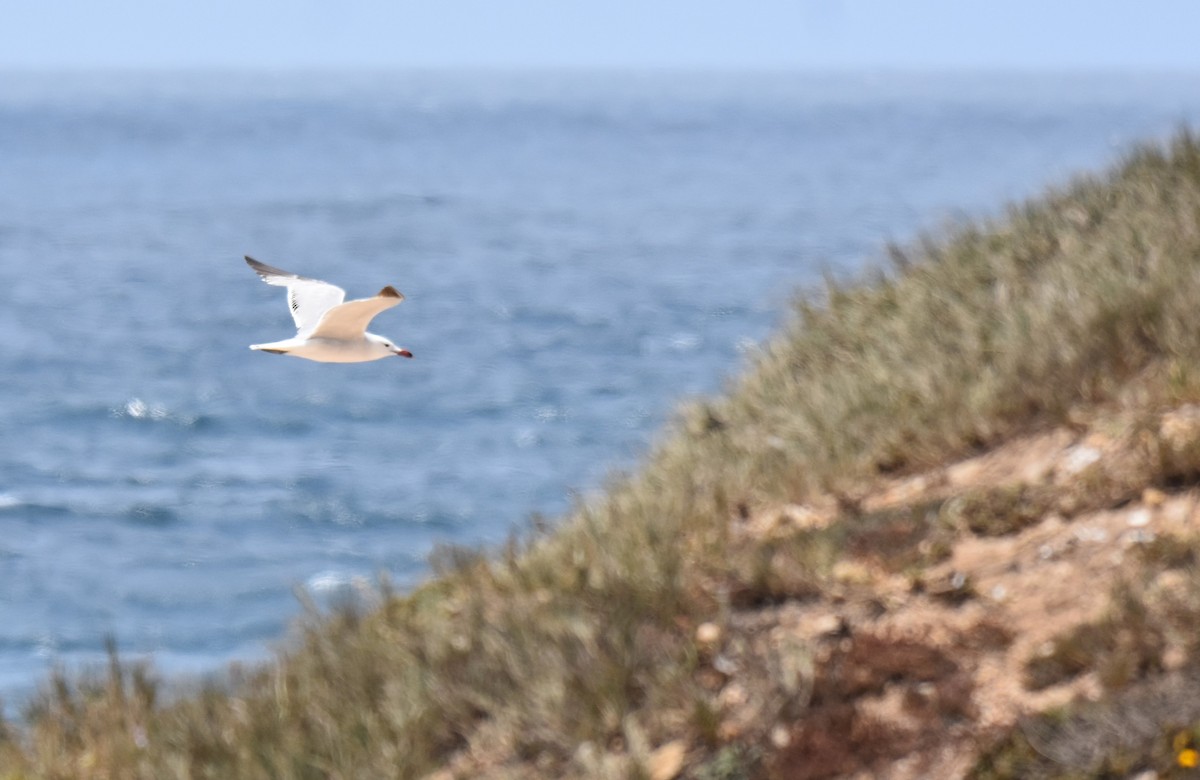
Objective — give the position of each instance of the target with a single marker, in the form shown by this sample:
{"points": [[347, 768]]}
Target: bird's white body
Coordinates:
{"points": [[329, 330], [370, 347]]}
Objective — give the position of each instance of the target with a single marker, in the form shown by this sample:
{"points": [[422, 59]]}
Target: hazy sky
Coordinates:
{"points": [[1058, 34]]}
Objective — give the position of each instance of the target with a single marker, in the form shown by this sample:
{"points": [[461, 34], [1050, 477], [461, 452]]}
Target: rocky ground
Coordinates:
{"points": [[908, 669]]}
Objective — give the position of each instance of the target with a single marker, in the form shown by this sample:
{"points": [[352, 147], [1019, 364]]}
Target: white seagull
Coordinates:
{"points": [[328, 330]]}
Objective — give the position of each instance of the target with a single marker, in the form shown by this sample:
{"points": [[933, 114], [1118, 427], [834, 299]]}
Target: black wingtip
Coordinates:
{"points": [[390, 292], [264, 270]]}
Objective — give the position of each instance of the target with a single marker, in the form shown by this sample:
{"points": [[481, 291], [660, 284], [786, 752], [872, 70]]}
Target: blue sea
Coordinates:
{"points": [[579, 251]]}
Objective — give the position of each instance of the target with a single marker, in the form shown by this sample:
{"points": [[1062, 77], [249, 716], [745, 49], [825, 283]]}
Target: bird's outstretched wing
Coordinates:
{"points": [[350, 319], [308, 299]]}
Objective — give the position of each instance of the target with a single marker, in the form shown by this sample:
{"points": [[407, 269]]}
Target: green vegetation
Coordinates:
{"points": [[576, 652]]}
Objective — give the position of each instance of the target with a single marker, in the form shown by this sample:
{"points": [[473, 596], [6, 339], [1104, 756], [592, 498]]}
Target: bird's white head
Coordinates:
{"points": [[385, 343]]}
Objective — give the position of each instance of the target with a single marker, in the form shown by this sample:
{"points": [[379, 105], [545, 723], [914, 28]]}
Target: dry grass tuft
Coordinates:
{"points": [[1123, 646], [1002, 510], [1157, 608], [1143, 728]]}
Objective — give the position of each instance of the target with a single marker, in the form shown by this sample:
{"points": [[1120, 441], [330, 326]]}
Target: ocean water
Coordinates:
{"points": [[579, 252]]}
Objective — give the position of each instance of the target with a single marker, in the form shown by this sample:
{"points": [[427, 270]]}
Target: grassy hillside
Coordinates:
{"points": [[610, 645]]}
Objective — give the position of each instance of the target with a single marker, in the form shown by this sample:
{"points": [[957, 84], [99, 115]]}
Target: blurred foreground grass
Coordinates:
{"points": [[575, 652]]}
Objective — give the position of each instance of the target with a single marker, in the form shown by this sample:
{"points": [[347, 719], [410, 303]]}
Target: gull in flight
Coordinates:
{"points": [[329, 330]]}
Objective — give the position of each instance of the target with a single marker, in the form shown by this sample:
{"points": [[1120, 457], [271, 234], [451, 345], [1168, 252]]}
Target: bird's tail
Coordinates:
{"points": [[272, 348]]}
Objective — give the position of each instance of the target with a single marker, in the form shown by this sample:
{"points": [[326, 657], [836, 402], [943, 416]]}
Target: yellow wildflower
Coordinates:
{"points": [[1188, 758]]}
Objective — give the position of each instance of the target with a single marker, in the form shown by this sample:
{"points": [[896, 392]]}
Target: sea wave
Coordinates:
{"points": [[139, 409], [332, 587], [11, 504]]}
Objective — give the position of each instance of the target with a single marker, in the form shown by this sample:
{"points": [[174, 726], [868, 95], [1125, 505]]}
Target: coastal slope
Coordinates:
{"points": [[944, 524]]}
